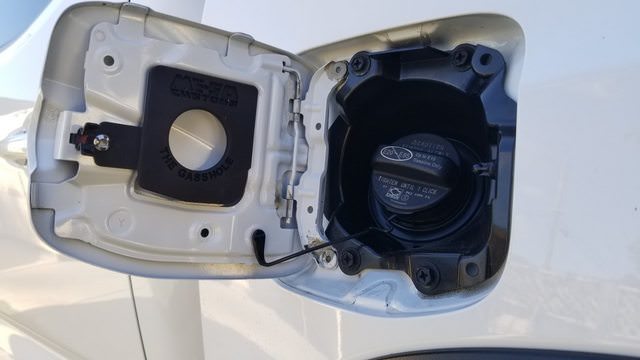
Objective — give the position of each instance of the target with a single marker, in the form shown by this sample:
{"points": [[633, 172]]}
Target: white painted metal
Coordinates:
{"points": [[571, 279], [103, 206], [169, 313], [51, 305], [191, 10]]}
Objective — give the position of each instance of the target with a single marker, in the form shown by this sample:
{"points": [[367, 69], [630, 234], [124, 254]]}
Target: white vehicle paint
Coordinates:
{"points": [[570, 281]]}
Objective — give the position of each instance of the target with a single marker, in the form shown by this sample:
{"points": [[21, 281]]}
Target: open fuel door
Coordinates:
{"points": [[168, 149], [165, 148]]}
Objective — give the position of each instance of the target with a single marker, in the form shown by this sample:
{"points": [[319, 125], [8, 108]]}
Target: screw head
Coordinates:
{"points": [[101, 142], [349, 261], [360, 64], [426, 277], [357, 63], [460, 57], [423, 275]]}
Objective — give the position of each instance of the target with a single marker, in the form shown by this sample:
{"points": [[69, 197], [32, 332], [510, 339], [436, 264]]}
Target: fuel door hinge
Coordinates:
{"points": [[288, 221]]}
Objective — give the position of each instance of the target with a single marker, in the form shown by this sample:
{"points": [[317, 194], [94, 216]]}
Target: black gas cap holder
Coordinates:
{"points": [[447, 107], [169, 93]]}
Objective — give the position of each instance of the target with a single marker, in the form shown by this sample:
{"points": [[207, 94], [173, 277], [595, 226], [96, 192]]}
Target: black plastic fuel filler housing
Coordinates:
{"points": [[422, 158]]}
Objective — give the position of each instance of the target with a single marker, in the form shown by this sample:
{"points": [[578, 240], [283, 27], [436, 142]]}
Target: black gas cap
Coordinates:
{"points": [[415, 173], [419, 181]]}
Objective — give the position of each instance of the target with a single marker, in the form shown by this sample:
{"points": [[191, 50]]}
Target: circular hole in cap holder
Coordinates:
{"points": [[197, 139]]}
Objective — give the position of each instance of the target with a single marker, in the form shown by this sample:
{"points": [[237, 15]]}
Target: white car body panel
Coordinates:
{"points": [[49, 301], [571, 277]]}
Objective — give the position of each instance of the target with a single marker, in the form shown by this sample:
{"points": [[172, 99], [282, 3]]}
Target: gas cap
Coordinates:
{"points": [[416, 180], [415, 173]]}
